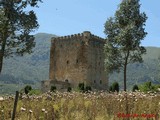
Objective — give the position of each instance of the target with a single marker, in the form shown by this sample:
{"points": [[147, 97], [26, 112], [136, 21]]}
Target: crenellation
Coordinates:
{"points": [[79, 35], [85, 34], [53, 40], [98, 38], [73, 36]]}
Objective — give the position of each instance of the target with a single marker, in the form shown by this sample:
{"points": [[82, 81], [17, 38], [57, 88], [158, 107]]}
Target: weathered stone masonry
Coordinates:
{"points": [[75, 59]]}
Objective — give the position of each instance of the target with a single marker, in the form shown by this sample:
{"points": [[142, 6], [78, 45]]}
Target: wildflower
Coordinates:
{"points": [[30, 111], [130, 94], [23, 109], [144, 95], [43, 110], [1, 98]]}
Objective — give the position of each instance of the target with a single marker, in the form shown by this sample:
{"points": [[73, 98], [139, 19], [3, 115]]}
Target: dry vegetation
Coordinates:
{"points": [[83, 106]]}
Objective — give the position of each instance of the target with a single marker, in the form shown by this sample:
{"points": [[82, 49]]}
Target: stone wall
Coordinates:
{"points": [[78, 58], [97, 76]]}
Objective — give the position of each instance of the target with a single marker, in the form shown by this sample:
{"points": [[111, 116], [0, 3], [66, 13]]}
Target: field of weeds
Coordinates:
{"points": [[83, 106]]}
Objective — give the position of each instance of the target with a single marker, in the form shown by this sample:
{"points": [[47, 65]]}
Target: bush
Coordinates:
{"points": [[115, 87], [69, 89], [135, 87], [35, 92], [110, 89], [53, 88], [147, 86], [88, 88], [27, 89], [81, 87]]}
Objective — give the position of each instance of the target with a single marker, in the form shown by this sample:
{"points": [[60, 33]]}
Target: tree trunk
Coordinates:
{"points": [[125, 78], [2, 50], [1, 61], [125, 71], [4, 36]]}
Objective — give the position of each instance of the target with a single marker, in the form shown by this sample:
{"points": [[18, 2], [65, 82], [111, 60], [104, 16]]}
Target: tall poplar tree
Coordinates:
{"points": [[16, 24], [124, 34]]}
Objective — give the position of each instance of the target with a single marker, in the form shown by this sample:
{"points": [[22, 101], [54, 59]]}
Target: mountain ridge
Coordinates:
{"points": [[33, 68]]}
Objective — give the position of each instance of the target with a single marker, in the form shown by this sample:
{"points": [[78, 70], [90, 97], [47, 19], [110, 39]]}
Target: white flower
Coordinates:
{"points": [[1, 98], [23, 109], [30, 111], [43, 110]]}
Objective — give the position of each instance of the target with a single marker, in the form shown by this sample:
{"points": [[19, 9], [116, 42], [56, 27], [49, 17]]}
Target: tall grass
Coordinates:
{"points": [[83, 106]]}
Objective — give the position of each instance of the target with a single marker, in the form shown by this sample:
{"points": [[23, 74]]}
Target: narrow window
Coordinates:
{"points": [[77, 61], [94, 81], [100, 82], [67, 62], [66, 80]]}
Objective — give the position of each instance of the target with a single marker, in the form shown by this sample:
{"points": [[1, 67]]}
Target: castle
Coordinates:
{"points": [[77, 59]]}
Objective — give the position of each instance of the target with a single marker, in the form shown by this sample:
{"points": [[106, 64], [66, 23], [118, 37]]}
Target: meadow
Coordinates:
{"points": [[83, 106]]}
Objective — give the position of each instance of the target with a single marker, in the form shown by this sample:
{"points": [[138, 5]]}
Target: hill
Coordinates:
{"points": [[33, 68], [138, 73], [29, 69]]}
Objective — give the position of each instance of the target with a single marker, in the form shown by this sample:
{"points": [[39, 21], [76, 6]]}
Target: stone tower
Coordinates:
{"points": [[75, 59]]}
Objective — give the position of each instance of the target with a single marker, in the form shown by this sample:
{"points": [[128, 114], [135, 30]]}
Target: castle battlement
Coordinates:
{"points": [[77, 58], [85, 34]]}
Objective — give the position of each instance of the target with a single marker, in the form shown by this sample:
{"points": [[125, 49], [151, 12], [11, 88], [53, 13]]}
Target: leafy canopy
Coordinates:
{"points": [[124, 34], [16, 24]]}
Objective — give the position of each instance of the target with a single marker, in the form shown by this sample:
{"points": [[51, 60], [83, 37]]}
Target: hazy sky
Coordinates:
{"points": [[65, 17]]}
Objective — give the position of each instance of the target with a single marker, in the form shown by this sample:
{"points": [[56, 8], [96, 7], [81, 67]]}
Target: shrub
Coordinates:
{"points": [[110, 89], [88, 88], [35, 92], [148, 86], [81, 87], [135, 87], [27, 89], [53, 88], [115, 87], [69, 89]]}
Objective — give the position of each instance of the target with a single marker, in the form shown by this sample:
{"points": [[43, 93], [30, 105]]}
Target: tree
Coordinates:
{"points": [[69, 89], [81, 87], [114, 87], [135, 87], [124, 34], [53, 88], [88, 89], [27, 89], [16, 24]]}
